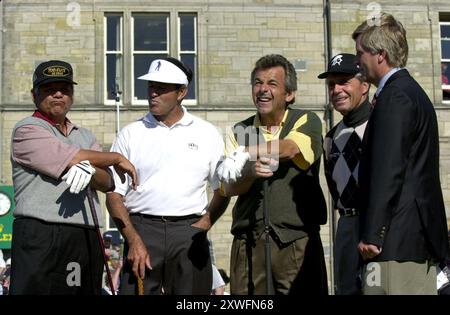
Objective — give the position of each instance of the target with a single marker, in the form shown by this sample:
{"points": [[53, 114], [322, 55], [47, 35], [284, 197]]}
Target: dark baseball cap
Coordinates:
{"points": [[341, 63], [53, 71]]}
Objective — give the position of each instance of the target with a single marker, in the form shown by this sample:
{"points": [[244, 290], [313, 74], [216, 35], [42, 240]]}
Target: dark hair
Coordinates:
{"points": [[274, 60], [187, 71]]}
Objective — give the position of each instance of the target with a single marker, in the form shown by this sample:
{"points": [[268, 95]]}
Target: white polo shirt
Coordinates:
{"points": [[173, 165]]}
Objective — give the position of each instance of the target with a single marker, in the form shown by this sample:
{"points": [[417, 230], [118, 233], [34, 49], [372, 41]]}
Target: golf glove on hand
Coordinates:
{"points": [[230, 169], [79, 176]]}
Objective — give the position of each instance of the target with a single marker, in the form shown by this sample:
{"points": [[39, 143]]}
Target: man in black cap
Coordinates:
{"points": [[55, 247], [348, 91]]}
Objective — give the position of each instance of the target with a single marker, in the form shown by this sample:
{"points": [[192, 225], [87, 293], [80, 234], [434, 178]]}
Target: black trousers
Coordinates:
{"points": [[347, 260], [49, 258], [179, 255]]}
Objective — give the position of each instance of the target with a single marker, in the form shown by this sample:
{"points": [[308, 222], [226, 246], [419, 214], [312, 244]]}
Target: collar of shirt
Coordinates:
{"points": [[186, 120], [358, 116], [267, 133], [384, 80], [68, 123]]}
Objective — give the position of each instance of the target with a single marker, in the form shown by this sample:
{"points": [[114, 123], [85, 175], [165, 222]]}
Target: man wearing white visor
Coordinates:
{"points": [[165, 221]]}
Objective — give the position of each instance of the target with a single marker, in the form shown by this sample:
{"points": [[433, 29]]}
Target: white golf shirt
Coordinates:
{"points": [[173, 165]]}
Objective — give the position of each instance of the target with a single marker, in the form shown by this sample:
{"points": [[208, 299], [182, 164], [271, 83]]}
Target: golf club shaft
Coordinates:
{"points": [[268, 260], [100, 239]]}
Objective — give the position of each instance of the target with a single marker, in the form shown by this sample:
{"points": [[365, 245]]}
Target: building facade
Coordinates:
{"points": [[110, 43]]}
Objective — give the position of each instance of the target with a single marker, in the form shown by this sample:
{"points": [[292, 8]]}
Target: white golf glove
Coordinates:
{"points": [[79, 176], [230, 169]]}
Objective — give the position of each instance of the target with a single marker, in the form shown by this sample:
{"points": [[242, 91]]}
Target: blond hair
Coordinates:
{"points": [[384, 34]]}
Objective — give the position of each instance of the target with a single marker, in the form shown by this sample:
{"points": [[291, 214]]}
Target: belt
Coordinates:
{"points": [[348, 212], [165, 218]]}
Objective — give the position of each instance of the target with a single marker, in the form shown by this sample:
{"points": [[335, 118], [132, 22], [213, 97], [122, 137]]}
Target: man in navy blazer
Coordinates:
{"points": [[403, 227]]}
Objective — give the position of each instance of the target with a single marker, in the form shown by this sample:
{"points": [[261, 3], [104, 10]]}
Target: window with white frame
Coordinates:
{"points": [[445, 61], [152, 35], [113, 42], [187, 30]]}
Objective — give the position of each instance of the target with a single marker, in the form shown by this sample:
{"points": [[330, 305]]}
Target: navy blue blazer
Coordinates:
{"points": [[402, 208]]}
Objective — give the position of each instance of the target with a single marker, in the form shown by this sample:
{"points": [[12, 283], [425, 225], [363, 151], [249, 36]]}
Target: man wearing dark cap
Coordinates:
{"points": [[55, 247], [348, 92], [166, 220]]}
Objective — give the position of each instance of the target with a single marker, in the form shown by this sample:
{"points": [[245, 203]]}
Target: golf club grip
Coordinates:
{"points": [[140, 285]]}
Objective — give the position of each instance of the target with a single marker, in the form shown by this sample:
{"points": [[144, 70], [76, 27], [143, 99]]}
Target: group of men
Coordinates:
{"points": [[381, 166]]}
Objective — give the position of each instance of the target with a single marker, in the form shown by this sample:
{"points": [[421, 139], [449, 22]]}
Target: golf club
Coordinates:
{"points": [[100, 239], [268, 260]]}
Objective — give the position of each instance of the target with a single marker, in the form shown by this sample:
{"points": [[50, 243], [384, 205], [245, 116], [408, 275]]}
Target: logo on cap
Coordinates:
{"points": [[336, 60], [158, 66], [341, 63], [56, 71], [193, 146]]}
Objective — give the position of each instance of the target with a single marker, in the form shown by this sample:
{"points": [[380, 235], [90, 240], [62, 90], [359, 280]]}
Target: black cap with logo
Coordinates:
{"points": [[341, 63], [53, 71]]}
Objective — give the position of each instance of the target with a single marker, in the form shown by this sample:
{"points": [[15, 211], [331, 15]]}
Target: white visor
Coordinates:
{"points": [[166, 72]]}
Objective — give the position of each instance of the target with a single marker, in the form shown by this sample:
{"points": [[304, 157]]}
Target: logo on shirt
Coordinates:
{"points": [[193, 146]]}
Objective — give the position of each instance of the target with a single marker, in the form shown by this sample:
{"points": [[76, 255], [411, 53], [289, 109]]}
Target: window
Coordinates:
{"points": [[445, 61], [152, 35], [113, 56], [150, 41], [187, 23]]}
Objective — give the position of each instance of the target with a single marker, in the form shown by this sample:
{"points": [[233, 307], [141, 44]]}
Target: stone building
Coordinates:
{"points": [[111, 42]]}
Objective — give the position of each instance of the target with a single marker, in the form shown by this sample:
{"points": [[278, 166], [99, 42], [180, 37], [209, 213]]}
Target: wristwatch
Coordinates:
{"points": [[5, 203]]}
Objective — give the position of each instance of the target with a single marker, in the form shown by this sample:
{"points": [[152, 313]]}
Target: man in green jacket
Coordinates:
{"points": [[282, 146]]}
